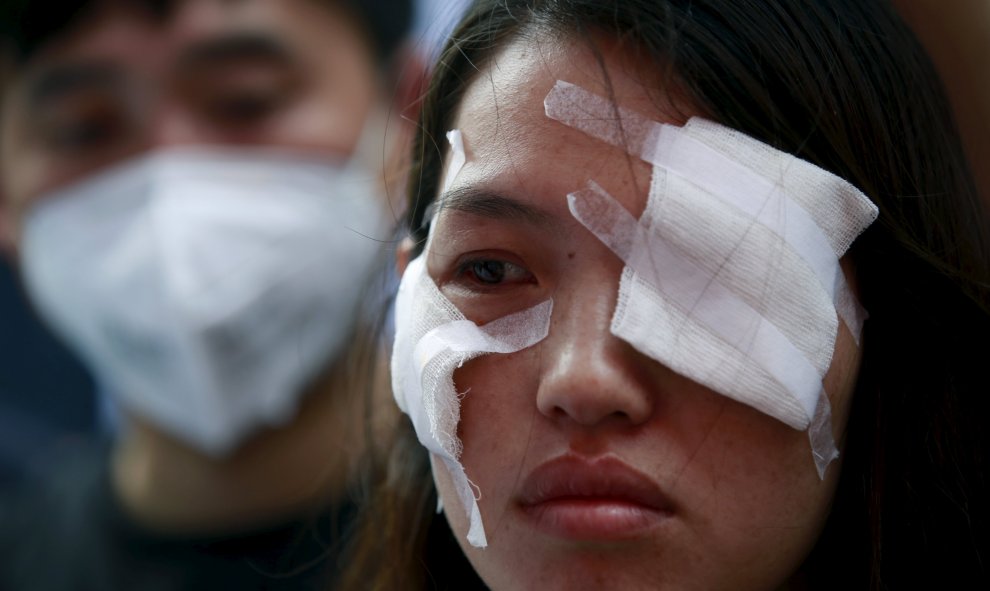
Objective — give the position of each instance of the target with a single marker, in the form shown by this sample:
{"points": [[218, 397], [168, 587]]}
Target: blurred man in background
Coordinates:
{"points": [[195, 193]]}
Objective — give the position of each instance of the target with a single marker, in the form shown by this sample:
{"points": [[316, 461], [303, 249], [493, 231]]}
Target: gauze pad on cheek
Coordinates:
{"points": [[432, 340], [732, 274]]}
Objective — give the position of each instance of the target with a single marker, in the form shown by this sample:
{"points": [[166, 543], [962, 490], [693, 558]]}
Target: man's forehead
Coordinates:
{"points": [[126, 33], [117, 42]]}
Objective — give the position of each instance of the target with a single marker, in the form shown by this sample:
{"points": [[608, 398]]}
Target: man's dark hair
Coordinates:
{"points": [[387, 22], [28, 25]]}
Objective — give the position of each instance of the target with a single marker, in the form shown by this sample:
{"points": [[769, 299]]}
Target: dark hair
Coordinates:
{"points": [[845, 85], [28, 25]]}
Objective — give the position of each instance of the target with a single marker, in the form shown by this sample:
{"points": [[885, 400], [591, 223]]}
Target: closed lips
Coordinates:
{"points": [[602, 498]]}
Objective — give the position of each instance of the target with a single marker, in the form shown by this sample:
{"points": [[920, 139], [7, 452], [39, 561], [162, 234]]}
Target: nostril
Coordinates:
{"points": [[588, 376], [594, 407]]}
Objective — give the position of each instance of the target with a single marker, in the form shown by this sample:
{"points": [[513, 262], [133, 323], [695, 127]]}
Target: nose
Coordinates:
{"points": [[592, 377], [174, 125]]}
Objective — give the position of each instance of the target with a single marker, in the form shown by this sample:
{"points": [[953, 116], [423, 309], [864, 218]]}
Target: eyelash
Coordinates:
{"points": [[472, 269]]}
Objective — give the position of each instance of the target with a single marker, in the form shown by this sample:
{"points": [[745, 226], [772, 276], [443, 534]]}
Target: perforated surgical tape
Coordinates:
{"points": [[433, 338], [732, 272]]}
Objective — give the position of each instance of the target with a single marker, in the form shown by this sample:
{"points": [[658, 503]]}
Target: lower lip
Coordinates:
{"points": [[594, 519]]}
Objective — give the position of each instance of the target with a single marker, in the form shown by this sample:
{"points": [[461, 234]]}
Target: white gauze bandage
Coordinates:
{"points": [[432, 340], [732, 272]]}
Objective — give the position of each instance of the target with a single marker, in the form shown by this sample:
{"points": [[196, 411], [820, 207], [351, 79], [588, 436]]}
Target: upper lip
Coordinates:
{"points": [[605, 478]]}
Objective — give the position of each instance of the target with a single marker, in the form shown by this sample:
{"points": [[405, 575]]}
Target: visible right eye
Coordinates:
{"points": [[245, 106], [486, 273], [83, 124]]}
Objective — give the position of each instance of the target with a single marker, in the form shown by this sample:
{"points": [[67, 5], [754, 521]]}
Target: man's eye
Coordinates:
{"points": [[489, 272], [83, 126], [82, 134]]}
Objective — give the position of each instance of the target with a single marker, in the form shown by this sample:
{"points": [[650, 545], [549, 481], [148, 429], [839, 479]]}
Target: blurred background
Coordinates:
{"points": [[48, 400]]}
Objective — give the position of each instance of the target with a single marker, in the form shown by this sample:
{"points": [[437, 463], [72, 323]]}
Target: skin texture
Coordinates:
{"points": [[745, 502], [287, 74]]}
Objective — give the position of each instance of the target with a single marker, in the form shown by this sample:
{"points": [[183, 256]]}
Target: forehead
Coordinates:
{"points": [[510, 140]]}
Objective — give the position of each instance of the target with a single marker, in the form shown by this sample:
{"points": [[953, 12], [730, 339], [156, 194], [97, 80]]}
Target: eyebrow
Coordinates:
{"points": [[494, 206], [235, 47], [63, 79]]}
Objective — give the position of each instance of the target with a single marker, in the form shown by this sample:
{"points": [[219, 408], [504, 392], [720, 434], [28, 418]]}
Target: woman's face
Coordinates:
{"points": [[599, 467]]}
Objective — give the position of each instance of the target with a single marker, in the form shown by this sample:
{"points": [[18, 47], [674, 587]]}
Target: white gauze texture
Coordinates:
{"points": [[732, 275], [432, 340]]}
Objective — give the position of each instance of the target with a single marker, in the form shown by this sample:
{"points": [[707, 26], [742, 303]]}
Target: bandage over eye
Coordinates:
{"points": [[433, 339], [732, 273]]}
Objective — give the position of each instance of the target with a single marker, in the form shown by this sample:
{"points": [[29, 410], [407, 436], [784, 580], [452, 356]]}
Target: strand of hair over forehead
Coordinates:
{"points": [[717, 47]]}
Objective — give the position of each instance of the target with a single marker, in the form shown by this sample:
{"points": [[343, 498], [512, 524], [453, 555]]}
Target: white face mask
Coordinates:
{"points": [[206, 288]]}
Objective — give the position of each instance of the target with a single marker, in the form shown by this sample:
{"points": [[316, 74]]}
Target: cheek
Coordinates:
{"points": [[322, 121], [496, 429], [497, 416], [751, 493], [752, 471], [332, 108], [28, 174], [22, 170], [750, 505], [750, 502], [29, 170]]}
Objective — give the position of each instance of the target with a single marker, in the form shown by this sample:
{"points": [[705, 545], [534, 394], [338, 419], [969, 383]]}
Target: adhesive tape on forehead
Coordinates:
{"points": [[732, 275], [457, 158], [433, 339]]}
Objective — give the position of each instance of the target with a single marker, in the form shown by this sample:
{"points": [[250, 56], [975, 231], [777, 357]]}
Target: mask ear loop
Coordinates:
{"points": [[818, 242]]}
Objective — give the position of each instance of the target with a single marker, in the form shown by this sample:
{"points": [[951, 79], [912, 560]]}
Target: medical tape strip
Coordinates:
{"points": [[759, 197], [715, 306], [457, 158], [823, 447], [448, 333], [432, 340], [505, 335], [466, 493]]}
